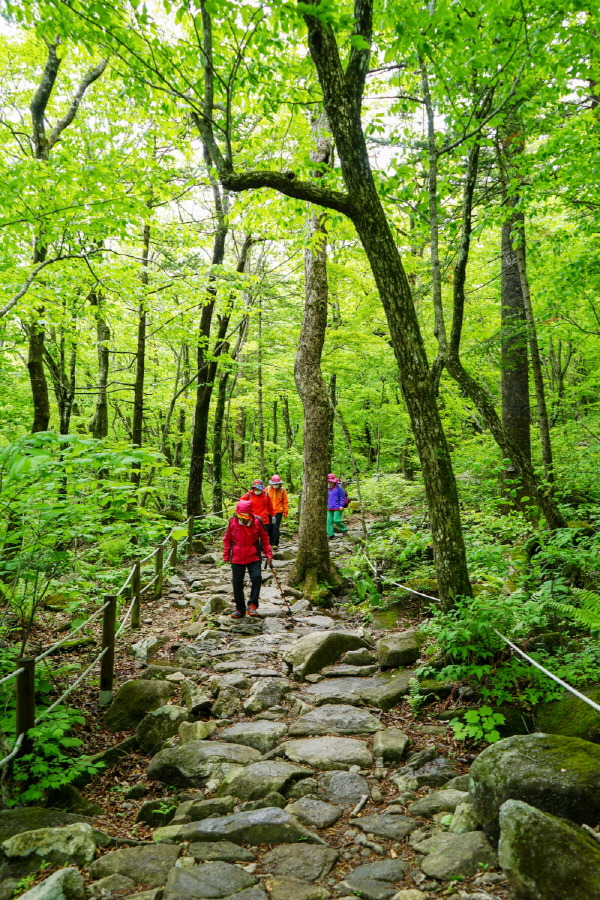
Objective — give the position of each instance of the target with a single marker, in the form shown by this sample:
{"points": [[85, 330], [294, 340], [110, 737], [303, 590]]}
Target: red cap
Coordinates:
{"points": [[331, 477], [243, 508]]}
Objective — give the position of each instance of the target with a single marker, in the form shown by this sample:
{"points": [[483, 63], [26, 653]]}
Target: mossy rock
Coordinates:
{"points": [[544, 857], [133, 701], [556, 774], [570, 716]]}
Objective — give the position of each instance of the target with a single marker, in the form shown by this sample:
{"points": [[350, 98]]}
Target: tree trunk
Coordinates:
{"points": [[99, 424], [333, 401], [37, 378], [313, 564], [218, 448], [261, 419], [515, 369], [140, 358], [289, 437], [536, 362], [239, 444], [275, 435]]}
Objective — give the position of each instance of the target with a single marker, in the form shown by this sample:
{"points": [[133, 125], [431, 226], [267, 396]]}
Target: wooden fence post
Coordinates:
{"points": [[135, 589], [190, 536], [25, 702], [158, 572], [173, 553], [107, 663]]}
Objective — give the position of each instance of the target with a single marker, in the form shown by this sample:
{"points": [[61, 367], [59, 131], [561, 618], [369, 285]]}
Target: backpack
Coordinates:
{"points": [[346, 500]]}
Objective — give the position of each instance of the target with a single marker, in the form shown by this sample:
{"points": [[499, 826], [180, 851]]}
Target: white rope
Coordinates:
{"points": [[148, 558], [69, 635], [72, 688], [12, 675], [126, 618], [149, 585], [13, 752], [129, 577], [548, 673]]}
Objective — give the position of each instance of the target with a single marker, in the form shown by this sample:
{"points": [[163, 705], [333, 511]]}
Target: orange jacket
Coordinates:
{"points": [[279, 499], [261, 505]]}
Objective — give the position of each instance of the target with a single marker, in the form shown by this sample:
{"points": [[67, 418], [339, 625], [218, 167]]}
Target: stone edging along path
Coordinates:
{"points": [[292, 770]]}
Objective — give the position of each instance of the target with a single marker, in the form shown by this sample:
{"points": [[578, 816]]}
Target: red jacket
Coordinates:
{"points": [[261, 505], [242, 543]]}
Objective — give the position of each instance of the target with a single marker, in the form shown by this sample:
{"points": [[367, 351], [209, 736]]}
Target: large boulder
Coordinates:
{"points": [[211, 880], [451, 856], [570, 716], [58, 846], [30, 818], [195, 763], [133, 701], [262, 734], [556, 774], [400, 649], [259, 826], [66, 884], [546, 858], [145, 865], [391, 745], [303, 863], [157, 726], [261, 778], [314, 651], [266, 693]]}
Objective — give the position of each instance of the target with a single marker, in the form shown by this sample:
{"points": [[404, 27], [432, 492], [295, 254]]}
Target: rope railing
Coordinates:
{"points": [[133, 590], [514, 647]]}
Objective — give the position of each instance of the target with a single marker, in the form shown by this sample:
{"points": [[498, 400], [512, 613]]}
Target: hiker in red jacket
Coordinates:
{"points": [[261, 504], [244, 542]]}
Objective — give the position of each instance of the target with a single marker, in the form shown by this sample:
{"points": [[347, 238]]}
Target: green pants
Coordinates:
{"points": [[334, 520]]}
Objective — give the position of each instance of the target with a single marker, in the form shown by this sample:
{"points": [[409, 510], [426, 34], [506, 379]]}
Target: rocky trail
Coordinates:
{"points": [[277, 758]]}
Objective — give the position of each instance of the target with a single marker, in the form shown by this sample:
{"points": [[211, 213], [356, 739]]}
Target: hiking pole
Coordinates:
{"points": [[283, 597]]}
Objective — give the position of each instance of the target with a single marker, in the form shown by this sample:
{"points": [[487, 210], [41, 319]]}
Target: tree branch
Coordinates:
{"points": [[287, 183], [86, 81], [358, 61], [40, 100], [27, 284]]}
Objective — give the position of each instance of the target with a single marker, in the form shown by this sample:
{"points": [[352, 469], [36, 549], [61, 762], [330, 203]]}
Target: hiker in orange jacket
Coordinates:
{"points": [[279, 501], [261, 504]]}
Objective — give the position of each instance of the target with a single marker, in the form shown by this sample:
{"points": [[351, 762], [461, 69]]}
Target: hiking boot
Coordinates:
{"points": [[252, 609], [237, 614]]}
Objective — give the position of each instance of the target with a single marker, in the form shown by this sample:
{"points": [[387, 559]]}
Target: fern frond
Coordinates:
{"points": [[587, 611]]}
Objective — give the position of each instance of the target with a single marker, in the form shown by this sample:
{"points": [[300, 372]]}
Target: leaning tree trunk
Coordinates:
{"points": [[516, 413], [313, 564], [289, 438]]}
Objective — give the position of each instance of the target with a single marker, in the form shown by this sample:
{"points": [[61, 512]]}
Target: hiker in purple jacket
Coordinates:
{"points": [[337, 501]]}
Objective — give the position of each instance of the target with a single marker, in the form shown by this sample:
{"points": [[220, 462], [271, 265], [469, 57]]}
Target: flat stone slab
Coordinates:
{"points": [[335, 719], [452, 855], [292, 889], [345, 671], [262, 778], [329, 752], [383, 691], [66, 883], [144, 865], [211, 880], [70, 844], [386, 825], [315, 813], [262, 735], [258, 826], [345, 788], [30, 818], [303, 863], [224, 851], [198, 761], [238, 666]]}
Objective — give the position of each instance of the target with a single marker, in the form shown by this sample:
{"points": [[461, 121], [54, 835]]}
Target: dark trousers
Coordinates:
{"points": [[238, 571], [275, 528]]}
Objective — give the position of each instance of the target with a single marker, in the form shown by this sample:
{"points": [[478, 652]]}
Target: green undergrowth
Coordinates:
{"points": [[539, 589]]}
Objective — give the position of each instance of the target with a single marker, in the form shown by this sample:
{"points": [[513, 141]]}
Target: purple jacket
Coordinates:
{"points": [[336, 497]]}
